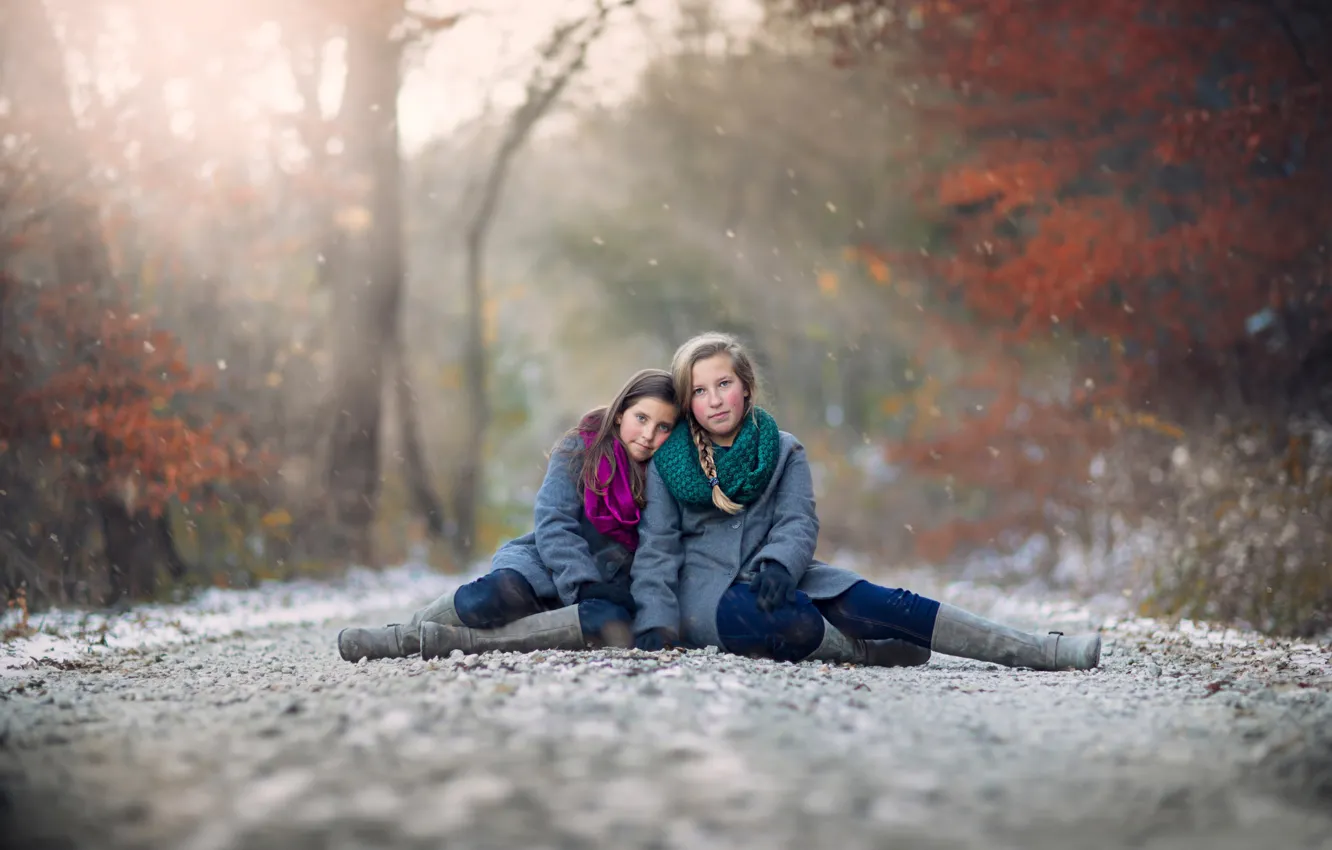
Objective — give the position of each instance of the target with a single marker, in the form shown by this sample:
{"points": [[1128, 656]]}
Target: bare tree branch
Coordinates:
{"points": [[568, 55], [420, 24], [561, 59], [1288, 28]]}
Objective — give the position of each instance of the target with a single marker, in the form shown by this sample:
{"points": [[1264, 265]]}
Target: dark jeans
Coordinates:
{"points": [[500, 597], [791, 632], [870, 612]]}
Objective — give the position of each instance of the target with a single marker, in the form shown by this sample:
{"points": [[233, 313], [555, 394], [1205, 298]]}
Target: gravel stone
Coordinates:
{"points": [[268, 739]]}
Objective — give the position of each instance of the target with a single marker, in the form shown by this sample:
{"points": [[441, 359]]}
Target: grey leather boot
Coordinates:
{"points": [[961, 633], [558, 629], [895, 653], [396, 640], [372, 643], [837, 646]]}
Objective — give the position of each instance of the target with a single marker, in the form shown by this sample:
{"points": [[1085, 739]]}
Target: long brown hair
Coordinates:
{"points": [[702, 347], [600, 422]]}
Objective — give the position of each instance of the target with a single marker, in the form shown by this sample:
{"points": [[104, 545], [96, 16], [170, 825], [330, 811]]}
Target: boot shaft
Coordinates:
{"points": [[966, 635], [558, 629], [374, 644], [396, 640], [839, 647], [895, 653]]}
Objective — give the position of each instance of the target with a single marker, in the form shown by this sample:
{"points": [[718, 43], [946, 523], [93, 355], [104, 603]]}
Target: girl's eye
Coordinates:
{"points": [[726, 382], [642, 418], [698, 390], [664, 428]]}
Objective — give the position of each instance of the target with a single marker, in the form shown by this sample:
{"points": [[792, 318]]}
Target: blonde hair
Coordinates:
{"points": [[702, 347], [600, 423]]}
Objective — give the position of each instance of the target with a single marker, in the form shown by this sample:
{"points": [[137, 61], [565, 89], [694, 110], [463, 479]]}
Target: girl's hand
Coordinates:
{"points": [[774, 587], [616, 594], [653, 640]]}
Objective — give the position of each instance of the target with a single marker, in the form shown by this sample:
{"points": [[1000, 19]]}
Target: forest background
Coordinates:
{"points": [[287, 286]]}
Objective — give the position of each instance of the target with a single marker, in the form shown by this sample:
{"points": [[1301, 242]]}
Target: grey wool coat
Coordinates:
{"points": [[563, 550], [689, 555]]}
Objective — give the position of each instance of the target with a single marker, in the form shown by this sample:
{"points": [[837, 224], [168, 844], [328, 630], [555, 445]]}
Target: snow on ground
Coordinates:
{"points": [[62, 635]]}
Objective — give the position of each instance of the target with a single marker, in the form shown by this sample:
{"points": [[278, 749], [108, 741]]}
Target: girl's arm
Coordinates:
{"points": [[558, 514], [655, 573], [795, 524]]}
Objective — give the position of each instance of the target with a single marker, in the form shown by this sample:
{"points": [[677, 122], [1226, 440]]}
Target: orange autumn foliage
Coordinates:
{"points": [[1130, 181], [114, 399]]}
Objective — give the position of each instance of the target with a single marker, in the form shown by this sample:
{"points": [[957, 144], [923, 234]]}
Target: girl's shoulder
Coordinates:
{"points": [[789, 441], [569, 444], [567, 456]]}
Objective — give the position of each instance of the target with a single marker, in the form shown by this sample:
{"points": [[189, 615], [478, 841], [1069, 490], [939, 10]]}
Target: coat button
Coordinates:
{"points": [[735, 524]]}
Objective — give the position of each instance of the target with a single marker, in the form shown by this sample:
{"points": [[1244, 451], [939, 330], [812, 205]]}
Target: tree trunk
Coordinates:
{"points": [[135, 547], [367, 281], [562, 57], [415, 469], [466, 495]]}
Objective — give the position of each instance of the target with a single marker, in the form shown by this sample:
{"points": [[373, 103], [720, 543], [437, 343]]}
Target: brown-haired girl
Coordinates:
{"points": [[726, 548], [564, 585]]}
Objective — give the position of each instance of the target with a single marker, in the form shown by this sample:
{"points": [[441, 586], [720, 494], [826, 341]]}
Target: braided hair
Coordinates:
{"points": [[706, 460], [699, 348]]}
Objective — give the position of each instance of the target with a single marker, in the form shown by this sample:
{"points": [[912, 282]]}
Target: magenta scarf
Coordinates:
{"points": [[615, 514]]}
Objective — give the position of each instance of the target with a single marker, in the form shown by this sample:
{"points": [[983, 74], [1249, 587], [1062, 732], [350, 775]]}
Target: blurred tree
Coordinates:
{"points": [[364, 264], [96, 416], [1131, 186], [736, 179], [183, 192], [561, 58]]}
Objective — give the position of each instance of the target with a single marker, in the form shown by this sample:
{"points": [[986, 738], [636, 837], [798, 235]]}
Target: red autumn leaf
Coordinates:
{"points": [[1109, 184]]}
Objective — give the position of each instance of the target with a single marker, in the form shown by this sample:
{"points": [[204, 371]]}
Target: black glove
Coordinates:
{"points": [[653, 640], [616, 594], [774, 587]]}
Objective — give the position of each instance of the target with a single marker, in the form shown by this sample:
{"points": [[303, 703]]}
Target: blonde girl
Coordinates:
{"points": [[726, 548]]}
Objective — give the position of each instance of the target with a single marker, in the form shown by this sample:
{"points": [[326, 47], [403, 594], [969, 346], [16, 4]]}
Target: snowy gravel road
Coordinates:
{"points": [[268, 739]]}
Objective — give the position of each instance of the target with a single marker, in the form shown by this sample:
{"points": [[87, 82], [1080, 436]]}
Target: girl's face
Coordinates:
{"points": [[644, 426], [718, 398]]}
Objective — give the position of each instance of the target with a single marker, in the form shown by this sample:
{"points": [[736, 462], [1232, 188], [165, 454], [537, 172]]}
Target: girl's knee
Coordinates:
{"points": [[495, 599], [511, 585], [789, 633], [803, 626]]}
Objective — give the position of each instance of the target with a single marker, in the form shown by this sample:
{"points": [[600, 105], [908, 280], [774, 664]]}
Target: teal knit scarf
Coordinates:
{"points": [[743, 471]]}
